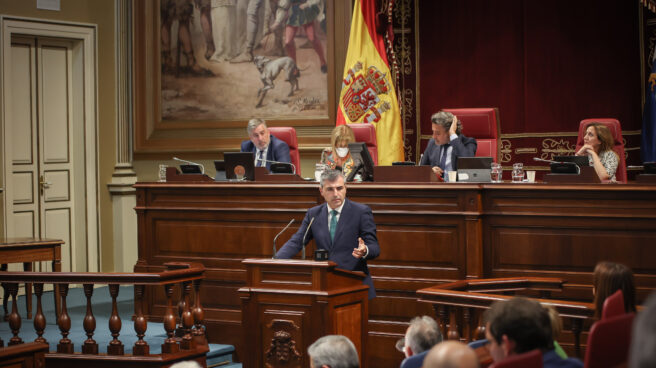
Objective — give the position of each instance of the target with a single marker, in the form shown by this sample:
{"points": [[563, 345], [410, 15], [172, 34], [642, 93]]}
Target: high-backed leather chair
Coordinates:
{"points": [[531, 359], [609, 341], [613, 305], [366, 133], [288, 135], [483, 124], [618, 145]]}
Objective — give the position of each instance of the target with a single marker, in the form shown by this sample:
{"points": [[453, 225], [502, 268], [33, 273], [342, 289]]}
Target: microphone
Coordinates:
{"points": [[548, 161], [305, 235], [276, 238], [202, 168], [278, 162]]}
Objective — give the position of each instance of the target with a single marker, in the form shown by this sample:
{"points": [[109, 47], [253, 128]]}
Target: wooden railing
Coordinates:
{"points": [[183, 324], [459, 305]]}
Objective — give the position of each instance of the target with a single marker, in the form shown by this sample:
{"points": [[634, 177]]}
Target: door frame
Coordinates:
{"points": [[84, 36]]}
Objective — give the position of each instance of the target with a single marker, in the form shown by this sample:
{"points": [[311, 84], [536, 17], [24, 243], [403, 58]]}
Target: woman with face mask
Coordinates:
{"points": [[338, 156]]}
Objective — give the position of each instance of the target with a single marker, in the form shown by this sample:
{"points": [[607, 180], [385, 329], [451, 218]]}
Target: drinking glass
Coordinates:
{"points": [[518, 173], [162, 172], [496, 172]]}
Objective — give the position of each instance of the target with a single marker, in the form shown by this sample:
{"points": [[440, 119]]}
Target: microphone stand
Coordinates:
{"points": [[278, 162], [305, 235], [202, 168], [276, 237]]}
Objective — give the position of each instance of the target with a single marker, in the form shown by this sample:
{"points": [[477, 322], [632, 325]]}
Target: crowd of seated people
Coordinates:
{"points": [[512, 327]]}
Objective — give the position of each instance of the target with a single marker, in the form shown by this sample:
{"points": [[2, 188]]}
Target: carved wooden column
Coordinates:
{"points": [[90, 346], [120, 187]]}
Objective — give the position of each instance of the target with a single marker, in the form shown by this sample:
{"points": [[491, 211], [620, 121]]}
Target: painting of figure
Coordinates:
{"points": [[231, 60]]}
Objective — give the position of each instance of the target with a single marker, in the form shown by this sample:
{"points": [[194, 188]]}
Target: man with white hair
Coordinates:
{"points": [[333, 351]]}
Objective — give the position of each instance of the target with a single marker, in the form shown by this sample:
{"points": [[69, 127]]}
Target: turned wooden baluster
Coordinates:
{"points": [[140, 323], [453, 325], [576, 330], [65, 345], [441, 316], [39, 318], [199, 316], [14, 317], [187, 318], [115, 346], [467, 327], [480, 330], [169, 346], [90, 345], [179, 330]]}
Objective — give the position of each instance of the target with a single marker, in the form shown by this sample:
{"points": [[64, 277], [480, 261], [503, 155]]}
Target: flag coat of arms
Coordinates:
{"points": [[368, 94]]}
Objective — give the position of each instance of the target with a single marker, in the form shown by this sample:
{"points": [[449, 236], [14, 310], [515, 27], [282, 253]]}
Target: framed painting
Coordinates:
{"points": [[203, 68]]}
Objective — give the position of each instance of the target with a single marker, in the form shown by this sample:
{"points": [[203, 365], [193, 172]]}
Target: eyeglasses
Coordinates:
{"points": [[400, 345]]}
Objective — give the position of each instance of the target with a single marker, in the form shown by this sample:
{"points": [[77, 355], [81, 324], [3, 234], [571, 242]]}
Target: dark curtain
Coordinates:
{"points": [[545, 64]]}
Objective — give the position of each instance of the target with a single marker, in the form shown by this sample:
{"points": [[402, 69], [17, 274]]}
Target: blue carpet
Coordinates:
{"points": [[102, 309]]}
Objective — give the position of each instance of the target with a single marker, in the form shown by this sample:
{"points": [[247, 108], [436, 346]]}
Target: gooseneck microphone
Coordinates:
{"points": [[202, 168], [305, 235], [280, 233], [543, 160], [278, 162]]}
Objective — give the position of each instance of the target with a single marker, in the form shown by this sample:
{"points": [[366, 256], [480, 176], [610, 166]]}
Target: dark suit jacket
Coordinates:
{"points": [[356, 220], [462, 147], [278, 151]]}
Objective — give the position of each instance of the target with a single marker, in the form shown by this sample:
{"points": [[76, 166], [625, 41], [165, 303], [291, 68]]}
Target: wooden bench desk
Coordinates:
{"points": [[28, 250]]}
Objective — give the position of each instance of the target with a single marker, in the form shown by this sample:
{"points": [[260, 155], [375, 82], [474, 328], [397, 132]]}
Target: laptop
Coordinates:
{"points": [[219, 165], [474, 169], [239, 165], [579, 160]]}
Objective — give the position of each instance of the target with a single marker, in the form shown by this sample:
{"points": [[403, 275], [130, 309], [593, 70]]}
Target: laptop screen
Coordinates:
{"points": [[239, 165], [579, 160]]}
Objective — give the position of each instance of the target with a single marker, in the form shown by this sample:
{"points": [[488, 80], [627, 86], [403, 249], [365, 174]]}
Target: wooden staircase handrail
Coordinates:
{"points": [[194, 271]]}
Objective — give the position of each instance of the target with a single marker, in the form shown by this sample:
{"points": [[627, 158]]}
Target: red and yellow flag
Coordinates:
{"points": [[368, 94]]}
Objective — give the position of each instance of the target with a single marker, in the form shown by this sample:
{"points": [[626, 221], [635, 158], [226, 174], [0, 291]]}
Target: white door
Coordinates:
{"points": [[45, 192]]}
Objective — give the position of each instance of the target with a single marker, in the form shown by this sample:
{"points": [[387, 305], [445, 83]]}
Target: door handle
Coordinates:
{"points": [[43, 184]]}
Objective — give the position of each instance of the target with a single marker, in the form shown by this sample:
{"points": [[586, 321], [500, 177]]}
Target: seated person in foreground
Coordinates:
{"points": [[451, 354], [333, 351], [447, 144], [344, 228], [598, 146], [338, 156], [422, 334], [265, 147], [520, 325], [643, 341], [608, 277]]}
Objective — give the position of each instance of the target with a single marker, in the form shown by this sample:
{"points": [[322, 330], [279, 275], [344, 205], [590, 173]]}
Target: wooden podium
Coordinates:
{"points": [[288, 304]]}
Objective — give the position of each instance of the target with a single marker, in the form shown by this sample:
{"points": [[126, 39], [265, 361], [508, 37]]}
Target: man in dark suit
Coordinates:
{"points": [[447, 144], [265, 147], [346, 229]]}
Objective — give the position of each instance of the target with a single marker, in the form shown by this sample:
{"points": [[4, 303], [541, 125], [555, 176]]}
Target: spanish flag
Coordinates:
{"points": [[368, 94]]}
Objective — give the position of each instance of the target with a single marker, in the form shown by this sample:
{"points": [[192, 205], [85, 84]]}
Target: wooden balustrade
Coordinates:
{"points": [[459, 306], [192, 345]]}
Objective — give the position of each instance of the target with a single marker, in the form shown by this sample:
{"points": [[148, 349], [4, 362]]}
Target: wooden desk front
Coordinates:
{"points": [[429, 234]]}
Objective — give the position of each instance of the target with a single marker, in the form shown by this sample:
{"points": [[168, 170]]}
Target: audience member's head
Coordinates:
{"points": [[186, 364], [422, 334], [258, 133], [451, 354], [609, 277], [333, 351], [517, 326], [643, 340], [556, 321]]}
